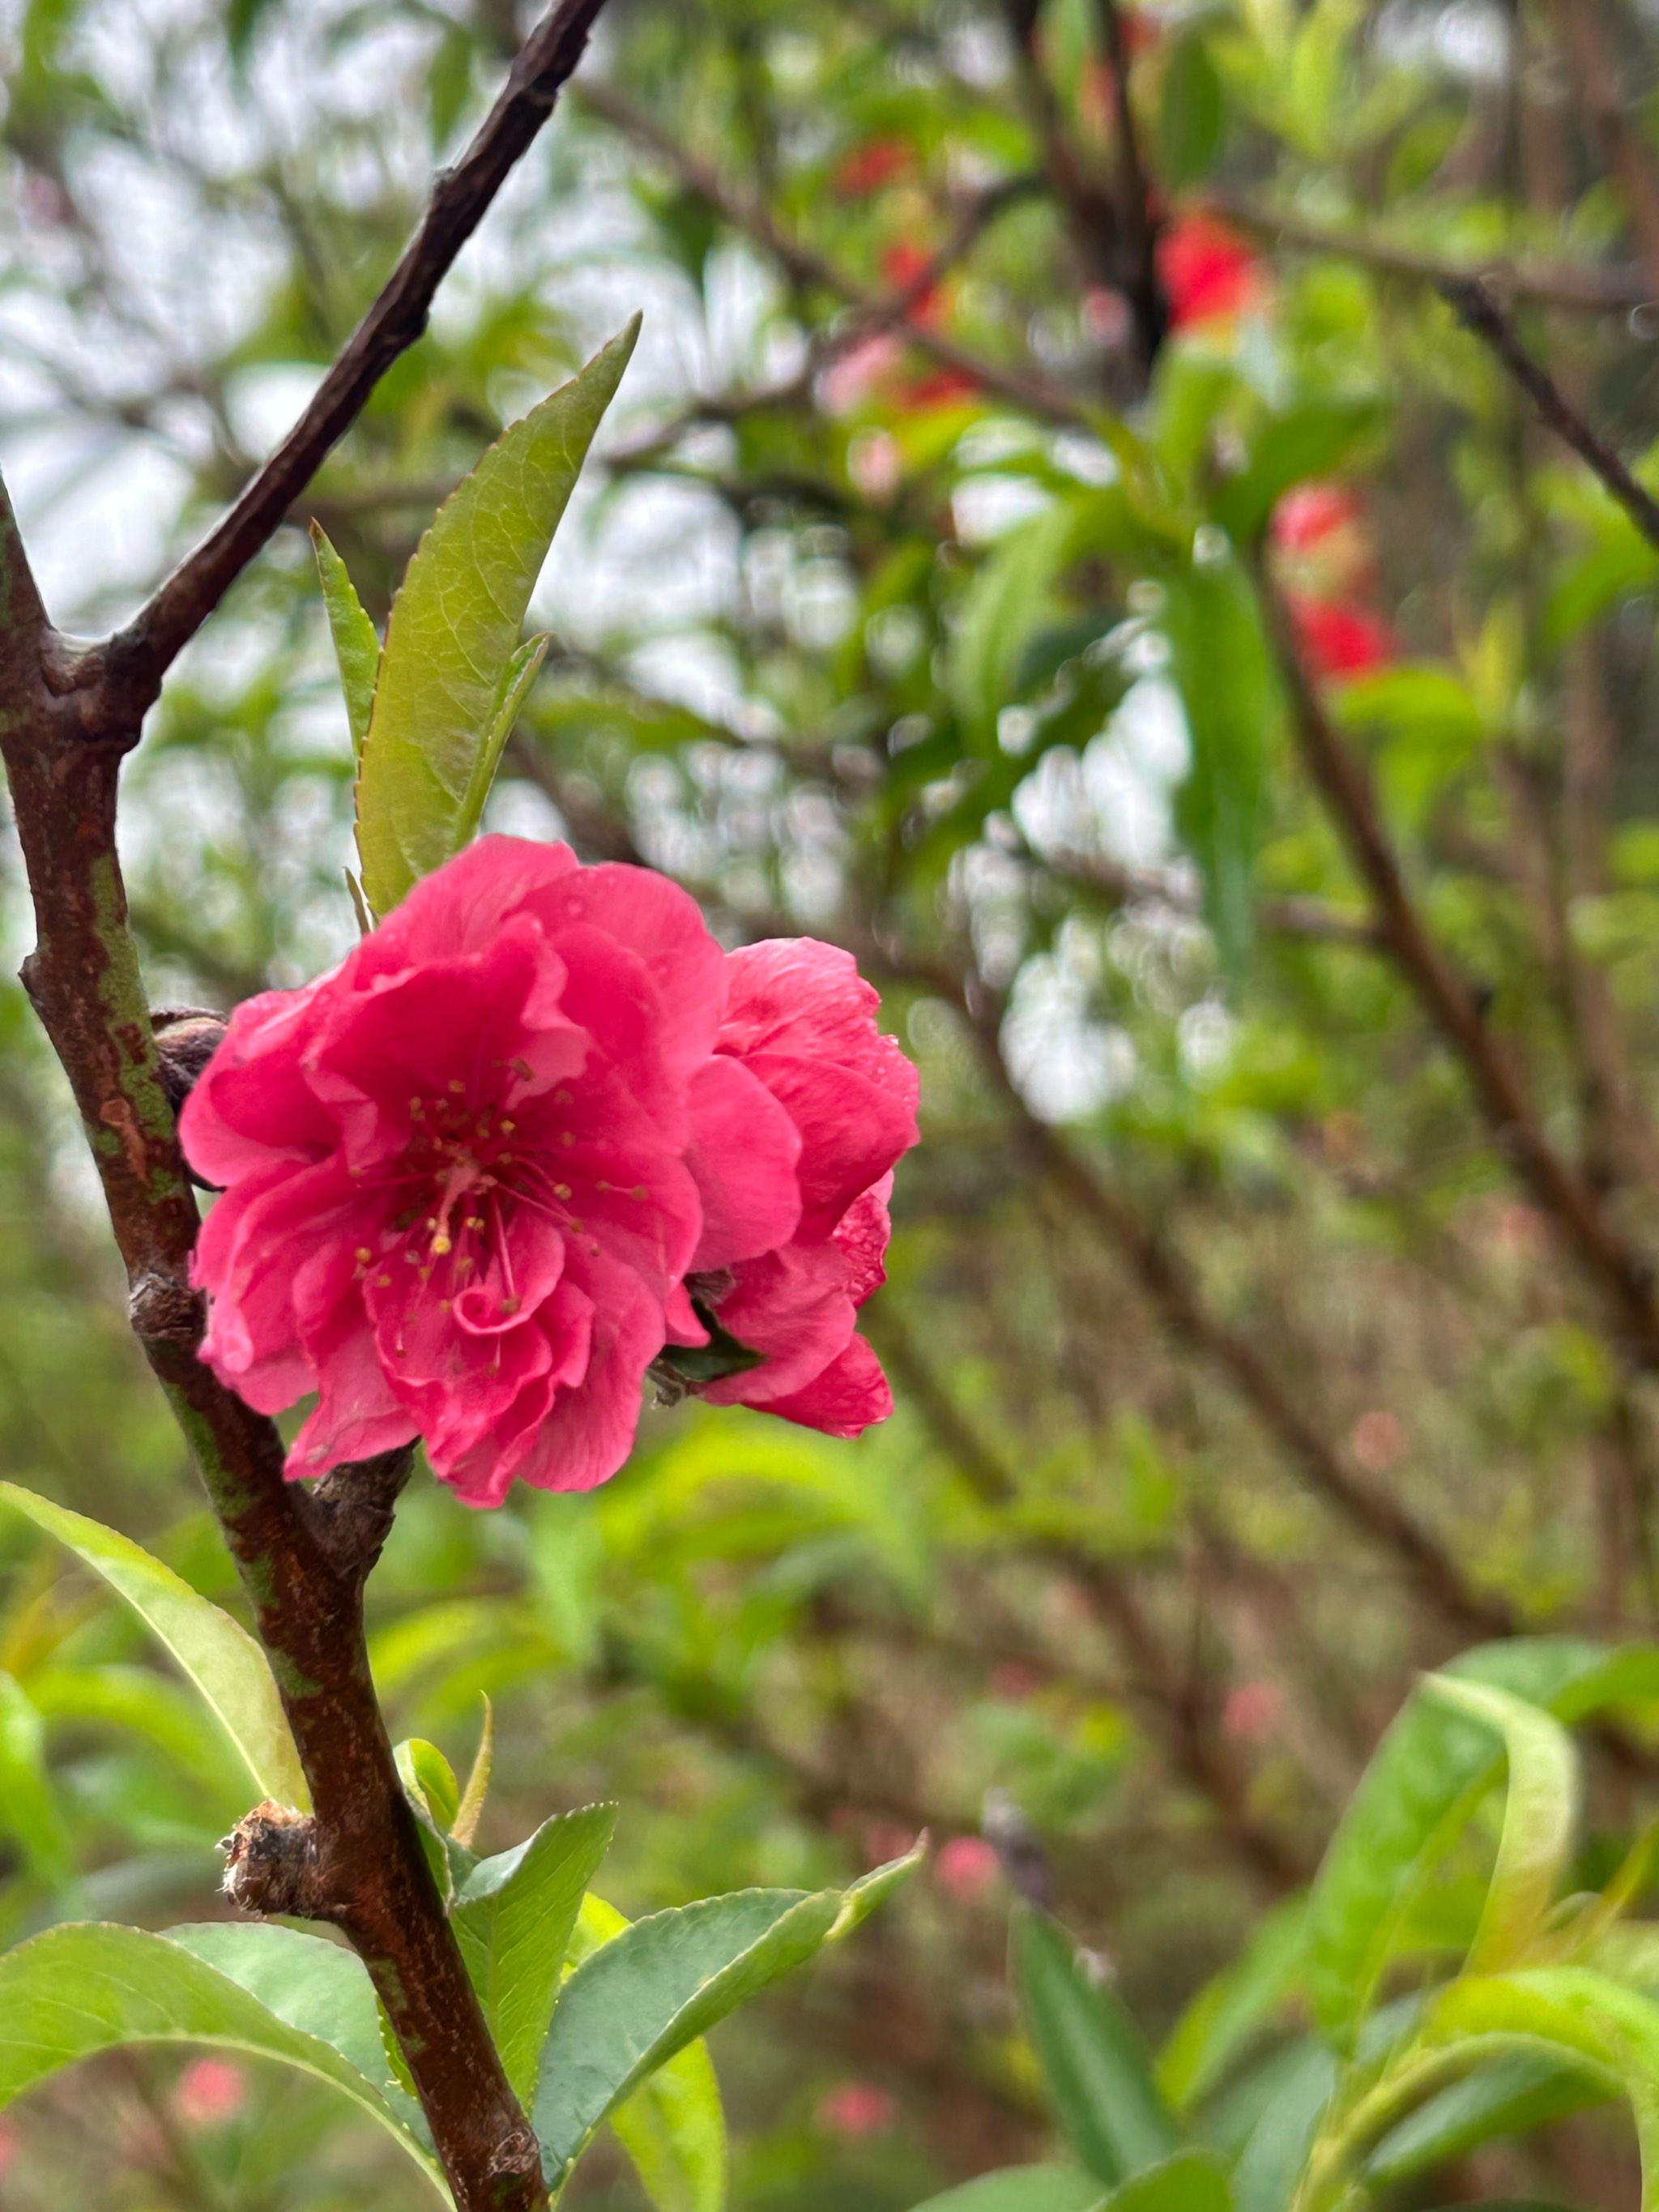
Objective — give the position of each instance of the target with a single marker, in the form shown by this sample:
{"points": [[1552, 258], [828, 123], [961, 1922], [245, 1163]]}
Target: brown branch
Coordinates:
{"points": [[1137, 225], [1582, 29], [1624, 1274], [1589, 291], [1176, 1717], [125, 671], [1478, 312], [1023, 388], [65, 723]]}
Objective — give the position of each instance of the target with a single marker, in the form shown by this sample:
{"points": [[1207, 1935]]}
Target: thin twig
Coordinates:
{"points": [[1478, 312], [127, 668], [1589, 291], [1624, 1274], [1582, 28], [1024, 388], [1137, 224]]}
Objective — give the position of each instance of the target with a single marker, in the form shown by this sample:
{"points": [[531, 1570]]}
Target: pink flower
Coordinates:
{"points": [[1378, 1442], [857, 2111], [967, 1867], [8, 2145], [209, 2091], [1310, 513], [455, 1200], [840, 1106], [1252, 1711]]}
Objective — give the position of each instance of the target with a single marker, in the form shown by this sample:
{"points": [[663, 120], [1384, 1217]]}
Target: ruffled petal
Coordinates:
{"points": [[847, 1398], [743, 1156]]}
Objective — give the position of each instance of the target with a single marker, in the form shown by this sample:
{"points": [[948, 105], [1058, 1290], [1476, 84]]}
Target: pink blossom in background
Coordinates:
{"points": [[209, 2092], [1312, 513], [841, 1108], [455, 1200], [1252, 1711], [9, 2146], [1377, 1441], [967, 1867], [857, 2111]]}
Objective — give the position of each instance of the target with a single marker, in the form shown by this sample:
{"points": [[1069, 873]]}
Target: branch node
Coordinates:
{"points": [[164, 1311], [350, 1509], [271, 1864]]}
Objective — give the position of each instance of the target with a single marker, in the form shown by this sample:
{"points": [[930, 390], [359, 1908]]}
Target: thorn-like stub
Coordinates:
{"points": [[163, 1310], [271, 1862]]}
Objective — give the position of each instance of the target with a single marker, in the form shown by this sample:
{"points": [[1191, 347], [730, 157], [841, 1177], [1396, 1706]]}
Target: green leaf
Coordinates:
{"points": [[1099, 2072], [673, 2129], [1510, 2096], [1271, 2161], [1192, 116], [28, 1807], [1191, 2181], [221, 1658], [860, 1899], [514, 1917], [446, 670], [465, 1825], [1229, 2010], [1309, 440], [1005, 605], [80, 1989], [520, 673], [430, 1778], [1230, 689], [653, 1988], [1429, 1774], [313, 1986], [357, 648], [682, 2099], [1574, 2015], [1022, 2189], [1540, 1814]]}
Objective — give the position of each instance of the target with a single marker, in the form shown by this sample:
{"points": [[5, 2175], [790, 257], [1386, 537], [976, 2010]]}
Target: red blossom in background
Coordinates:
{"points": [[800, 1022], [1207, 272], [465, 1174], [1338, 640], [869, 168]]}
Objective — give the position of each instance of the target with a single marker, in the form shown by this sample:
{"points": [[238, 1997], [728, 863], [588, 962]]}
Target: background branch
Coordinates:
{"points": [[127, 668]]}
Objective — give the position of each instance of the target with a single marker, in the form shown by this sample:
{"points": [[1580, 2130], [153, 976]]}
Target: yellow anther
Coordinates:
{"points": [[363, 1256], [508, 1127], [441, 1245], [560, 1190], [457, 1087]]}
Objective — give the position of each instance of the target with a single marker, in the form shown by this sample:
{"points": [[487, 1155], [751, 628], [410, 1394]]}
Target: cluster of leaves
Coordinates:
{"points": [[1405, 2068], [597, 2020]]}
